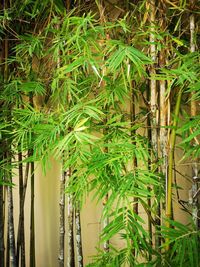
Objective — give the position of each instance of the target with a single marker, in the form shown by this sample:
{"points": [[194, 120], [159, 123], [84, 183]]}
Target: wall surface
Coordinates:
{"points": [[47, 215]]}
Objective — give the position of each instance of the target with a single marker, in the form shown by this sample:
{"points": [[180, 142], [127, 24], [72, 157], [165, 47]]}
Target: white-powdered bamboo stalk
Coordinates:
{"points": [[70, 233], [11, 228], [163, 133], [79, 249], [11, 232], [20, 234], [154, 99], [61, 257]]}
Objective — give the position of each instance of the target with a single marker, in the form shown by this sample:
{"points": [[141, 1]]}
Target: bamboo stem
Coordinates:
{"points": [[154, 106], [32, 214], [71, 262], [11, 231], [149, 167], [133, 133], [163, 106], [2, 258], [20, 236], [171, 161], [62, 220], [195, 204], [8, 250], [32, 225], [1, 226], [78, 238], [101, 7]]}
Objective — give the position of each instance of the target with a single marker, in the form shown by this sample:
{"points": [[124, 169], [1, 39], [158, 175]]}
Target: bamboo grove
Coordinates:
{"points": [[111, 90]]}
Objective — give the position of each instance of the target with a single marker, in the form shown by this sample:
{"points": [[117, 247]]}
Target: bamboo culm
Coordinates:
{"points": [[194, 190], [32, 218], [70, 215], [154, 106], [171, 161], [78, 238], [1, 226], [2, 219], [62, 220], [149, 167], [11, 231], [20, 236], [32, 215]]}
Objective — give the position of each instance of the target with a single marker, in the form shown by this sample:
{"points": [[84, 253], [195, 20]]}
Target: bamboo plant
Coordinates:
{"points": [[80, 77]]}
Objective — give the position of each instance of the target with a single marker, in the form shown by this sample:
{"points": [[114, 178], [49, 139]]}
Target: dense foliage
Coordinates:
{"points": [[77, 84]]}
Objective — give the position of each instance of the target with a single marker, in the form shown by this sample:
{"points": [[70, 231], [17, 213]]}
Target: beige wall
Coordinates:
{"points": [[47, 216]]}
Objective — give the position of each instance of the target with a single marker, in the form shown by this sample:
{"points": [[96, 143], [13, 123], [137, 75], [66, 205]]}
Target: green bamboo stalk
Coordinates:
{"points": [[171, 163], [133, 133], [101, 8]]}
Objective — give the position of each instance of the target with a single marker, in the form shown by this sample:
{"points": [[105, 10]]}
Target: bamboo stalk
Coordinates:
{"points": [[20, 236], [11, 253], [101, 8], [2, 207], [163, 106], [11, 232], [149, 167], [32, 212], [154, 107], [193, 107], [32, 217], [2, 188], [133, 133], [78, 237], [5, 76], [2, 225], [171, 161], [62, 220], [70, 262], [70, 216], [8, 250]]}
